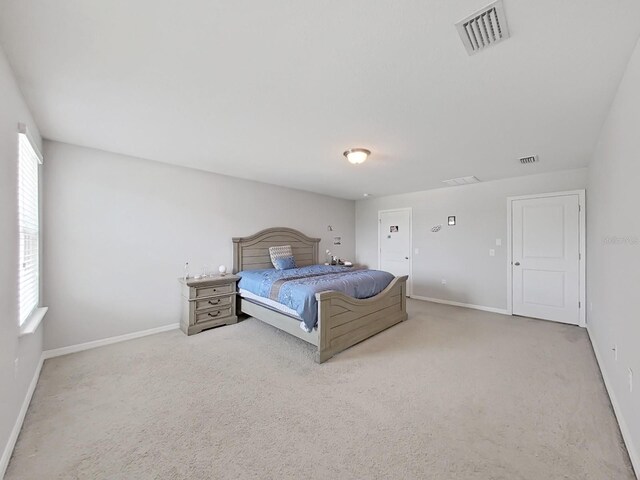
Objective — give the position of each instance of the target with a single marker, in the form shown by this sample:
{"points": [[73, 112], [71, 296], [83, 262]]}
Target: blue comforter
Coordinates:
{"points": [[297, 287]]}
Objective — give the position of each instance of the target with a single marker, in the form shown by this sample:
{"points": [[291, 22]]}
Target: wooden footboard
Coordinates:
{"points": [[344, 321]]}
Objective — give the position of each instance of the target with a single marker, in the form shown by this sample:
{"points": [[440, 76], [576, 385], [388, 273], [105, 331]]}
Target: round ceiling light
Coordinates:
{"points": [[357, 155]]}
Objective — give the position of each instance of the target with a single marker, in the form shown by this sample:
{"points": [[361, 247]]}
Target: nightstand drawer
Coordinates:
{"points": [[214, 290], [214, 302], [214, 314]]}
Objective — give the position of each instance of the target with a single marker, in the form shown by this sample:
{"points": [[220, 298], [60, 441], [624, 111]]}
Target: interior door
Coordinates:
{"points": [[395, 243], [545, 258]]}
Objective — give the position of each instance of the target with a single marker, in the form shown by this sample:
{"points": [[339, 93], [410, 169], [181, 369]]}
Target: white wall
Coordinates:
{"points": [[459, 254], [27, 349], [119, 230], [613, 252]]}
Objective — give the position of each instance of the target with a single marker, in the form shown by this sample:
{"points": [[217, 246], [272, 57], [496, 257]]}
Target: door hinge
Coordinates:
{"points": [[579, 256], [579, 304]]}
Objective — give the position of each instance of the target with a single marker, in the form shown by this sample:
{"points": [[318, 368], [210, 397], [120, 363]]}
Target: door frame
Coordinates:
{"points": [[391, 210], [581, 249]]}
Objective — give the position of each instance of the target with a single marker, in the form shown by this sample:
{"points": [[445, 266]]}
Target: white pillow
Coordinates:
{"points": [[280, 252]]}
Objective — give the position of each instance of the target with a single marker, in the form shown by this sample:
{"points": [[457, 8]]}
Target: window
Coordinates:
{"points": [[28, 225]]}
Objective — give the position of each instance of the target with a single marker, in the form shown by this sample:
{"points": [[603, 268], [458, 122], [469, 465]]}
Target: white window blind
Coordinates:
{"points": [[28, 226]]}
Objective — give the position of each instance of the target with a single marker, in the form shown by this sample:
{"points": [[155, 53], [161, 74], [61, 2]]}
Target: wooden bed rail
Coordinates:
{"points": [[344, 321]]}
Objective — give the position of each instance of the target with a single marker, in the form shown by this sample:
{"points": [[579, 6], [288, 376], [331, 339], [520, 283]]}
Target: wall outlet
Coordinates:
{"points": [[498, 242], [492, 252], [444, 281], [630, 380]]}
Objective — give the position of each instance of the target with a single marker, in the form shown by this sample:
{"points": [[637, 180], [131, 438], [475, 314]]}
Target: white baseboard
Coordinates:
{"points": [[56, 352], [634, 454], [13, 438], [501, 311]]}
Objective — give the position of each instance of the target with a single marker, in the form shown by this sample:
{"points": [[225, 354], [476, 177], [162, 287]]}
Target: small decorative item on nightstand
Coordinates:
{"points": [[208, 302]]}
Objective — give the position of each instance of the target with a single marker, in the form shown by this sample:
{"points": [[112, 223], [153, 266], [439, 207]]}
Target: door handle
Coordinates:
{"points": [[406, 258], [517, 264]]}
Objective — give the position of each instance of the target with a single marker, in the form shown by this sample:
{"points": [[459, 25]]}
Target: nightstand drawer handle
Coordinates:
{"points": [[214, 315], [214, 303]]}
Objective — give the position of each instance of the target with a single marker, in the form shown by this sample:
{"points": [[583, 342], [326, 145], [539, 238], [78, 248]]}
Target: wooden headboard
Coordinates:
{"points": [[252, 253]]}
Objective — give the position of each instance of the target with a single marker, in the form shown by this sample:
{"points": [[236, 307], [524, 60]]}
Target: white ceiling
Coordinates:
{"points": [[275, 91]]}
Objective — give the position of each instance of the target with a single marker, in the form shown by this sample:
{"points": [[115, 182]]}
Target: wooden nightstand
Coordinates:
{"points": [[208, 302]]}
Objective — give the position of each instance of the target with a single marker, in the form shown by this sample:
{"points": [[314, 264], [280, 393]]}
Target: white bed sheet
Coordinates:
{"points": [[272, 303]]}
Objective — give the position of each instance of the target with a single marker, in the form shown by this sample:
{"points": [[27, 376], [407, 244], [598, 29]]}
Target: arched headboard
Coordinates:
{"points": [[252, 252]]}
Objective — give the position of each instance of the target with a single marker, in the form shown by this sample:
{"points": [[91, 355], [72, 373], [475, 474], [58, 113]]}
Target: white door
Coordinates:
{"points": [[395, 243], [545, 258]]}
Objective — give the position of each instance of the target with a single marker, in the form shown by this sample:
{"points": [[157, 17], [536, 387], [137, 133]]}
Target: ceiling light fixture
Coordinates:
{"points": [[357, 155]]}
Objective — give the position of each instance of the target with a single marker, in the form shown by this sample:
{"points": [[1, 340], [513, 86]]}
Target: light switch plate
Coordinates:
{"points": [[498, 242], [492, 252]]}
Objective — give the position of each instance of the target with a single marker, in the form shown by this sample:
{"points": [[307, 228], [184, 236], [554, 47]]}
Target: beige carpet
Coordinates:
{"points": [[450, 394]]}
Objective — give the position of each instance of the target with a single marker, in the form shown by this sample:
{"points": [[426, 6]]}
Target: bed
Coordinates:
{"points": [[342, 321]]}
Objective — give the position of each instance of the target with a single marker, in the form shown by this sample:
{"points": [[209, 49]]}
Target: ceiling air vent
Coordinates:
{"points": [[454, 182], [530, 159], [484, 28]]}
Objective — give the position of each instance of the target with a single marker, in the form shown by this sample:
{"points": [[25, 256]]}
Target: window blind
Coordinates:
{"points": [[28, 227]]}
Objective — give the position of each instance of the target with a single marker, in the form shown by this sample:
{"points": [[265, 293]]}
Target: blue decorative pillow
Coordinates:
{"points": [[284, 263]]}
